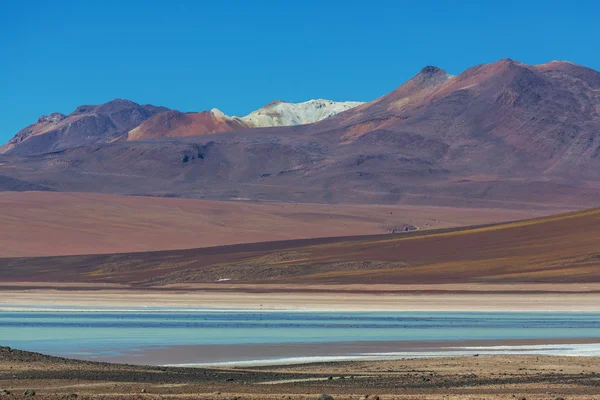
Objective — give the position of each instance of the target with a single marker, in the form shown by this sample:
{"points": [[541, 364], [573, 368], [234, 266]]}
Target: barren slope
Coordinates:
{"points": [[87, 125], [36, 223], [173, 123], [556, 249]]}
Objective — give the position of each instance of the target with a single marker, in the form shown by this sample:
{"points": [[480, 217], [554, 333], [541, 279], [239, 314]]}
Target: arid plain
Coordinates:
{"points": [[54, 223]]}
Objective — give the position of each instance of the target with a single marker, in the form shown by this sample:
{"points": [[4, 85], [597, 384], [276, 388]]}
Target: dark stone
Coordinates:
{"points": [[29, 393], [325, 397], [430, 70]]}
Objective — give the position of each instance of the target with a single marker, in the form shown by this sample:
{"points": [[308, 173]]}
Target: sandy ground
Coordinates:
{"points": [[345, 298], [46, 223], [483, 377]]}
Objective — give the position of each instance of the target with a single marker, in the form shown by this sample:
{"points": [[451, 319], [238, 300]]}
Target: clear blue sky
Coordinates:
{"points": [[240, 55]]}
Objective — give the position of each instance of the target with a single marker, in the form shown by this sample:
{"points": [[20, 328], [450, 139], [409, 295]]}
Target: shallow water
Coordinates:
{"points": [[110, 334]]}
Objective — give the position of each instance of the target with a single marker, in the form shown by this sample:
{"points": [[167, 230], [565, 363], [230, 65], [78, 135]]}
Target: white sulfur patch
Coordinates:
{"points": [[281, 113]]}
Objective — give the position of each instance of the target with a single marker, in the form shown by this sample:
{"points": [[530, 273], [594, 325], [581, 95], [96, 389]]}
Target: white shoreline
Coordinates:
{"points": [[567, 350]]}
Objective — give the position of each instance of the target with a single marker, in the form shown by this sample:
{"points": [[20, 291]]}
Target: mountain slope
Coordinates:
{"points": [[85, 126], [503, 134], [503, 117], [281, 113], [177, 124], [123, 119], [170, 124]]}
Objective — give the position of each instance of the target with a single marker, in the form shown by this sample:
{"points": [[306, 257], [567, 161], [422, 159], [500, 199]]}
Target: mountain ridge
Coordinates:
{"points": [[104, 123], [86, 125], [500, 134]]}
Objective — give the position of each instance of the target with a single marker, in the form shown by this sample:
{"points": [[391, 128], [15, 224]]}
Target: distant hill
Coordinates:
{"points": [[169, 124], [503, 134], [86, 125], [125, 120]]}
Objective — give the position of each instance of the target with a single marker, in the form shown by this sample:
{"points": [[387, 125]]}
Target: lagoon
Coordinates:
{"points": [[200, 336]]}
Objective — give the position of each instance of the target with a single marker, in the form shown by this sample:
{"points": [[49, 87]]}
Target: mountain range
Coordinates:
{"points": [[122, 119], [503, 134]]}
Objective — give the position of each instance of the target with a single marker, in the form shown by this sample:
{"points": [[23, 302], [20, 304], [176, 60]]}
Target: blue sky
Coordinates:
{"points": [[239, 55]]}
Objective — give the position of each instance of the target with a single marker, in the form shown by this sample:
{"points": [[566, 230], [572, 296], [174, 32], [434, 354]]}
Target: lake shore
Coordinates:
{"points": [[252, 355], [454, 297]]}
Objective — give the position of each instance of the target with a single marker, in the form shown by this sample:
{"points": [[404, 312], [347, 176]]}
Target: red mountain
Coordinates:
{"points": [[177, 124]]}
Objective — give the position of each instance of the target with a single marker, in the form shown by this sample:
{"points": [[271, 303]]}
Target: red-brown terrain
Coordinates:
{"points": [[50, 223], [561, 249], [503, 134], [168, 124]]}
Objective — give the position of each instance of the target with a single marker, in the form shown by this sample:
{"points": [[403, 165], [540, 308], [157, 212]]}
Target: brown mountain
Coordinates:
{"points": [[171, 123], [497, 118], [503, 134], [89, 124]]}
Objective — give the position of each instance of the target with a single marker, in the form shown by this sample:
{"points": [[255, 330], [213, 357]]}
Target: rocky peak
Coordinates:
{"points": [[274, 103], [428, 77], [431, 70], [83, 109], [116, 105], [52, 118], [218, 113]]}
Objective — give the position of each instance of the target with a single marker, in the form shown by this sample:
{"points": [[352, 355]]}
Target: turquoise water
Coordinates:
{"points": [[108, 333]]}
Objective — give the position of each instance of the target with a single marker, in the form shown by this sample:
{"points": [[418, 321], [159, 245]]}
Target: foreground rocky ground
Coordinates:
{"points": [[497, 377]]}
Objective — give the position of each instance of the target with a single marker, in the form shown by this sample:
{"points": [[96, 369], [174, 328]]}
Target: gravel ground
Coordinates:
{"points": [[490, 377]]}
